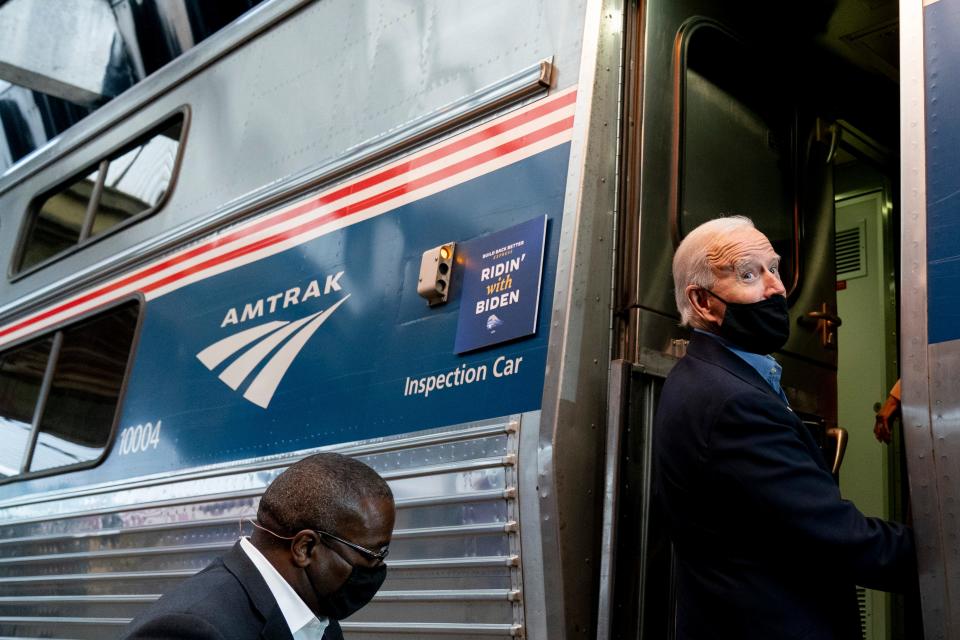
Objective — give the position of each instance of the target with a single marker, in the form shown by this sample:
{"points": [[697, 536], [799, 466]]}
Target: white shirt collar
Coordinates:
{"points": [[297, 614]]}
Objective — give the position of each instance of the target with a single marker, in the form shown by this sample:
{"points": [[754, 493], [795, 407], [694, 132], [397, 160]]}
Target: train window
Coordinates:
{"points": [[59, 220], [137, 180], [128, 184], [59, 395], [737, 150], [21, 374]]}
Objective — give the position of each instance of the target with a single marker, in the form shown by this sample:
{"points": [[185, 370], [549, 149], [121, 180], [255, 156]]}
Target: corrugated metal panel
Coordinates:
{"points": [[454, 567]]}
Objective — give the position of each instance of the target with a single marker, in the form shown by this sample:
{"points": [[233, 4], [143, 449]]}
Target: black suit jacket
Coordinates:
{"points": [[228, 600], [766, 548]]}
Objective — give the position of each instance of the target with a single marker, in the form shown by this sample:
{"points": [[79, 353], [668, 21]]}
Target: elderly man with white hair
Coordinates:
{"points": [[766, 548]]}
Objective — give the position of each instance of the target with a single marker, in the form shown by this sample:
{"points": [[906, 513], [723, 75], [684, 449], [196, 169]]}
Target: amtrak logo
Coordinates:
{"points": [[258, 344]]}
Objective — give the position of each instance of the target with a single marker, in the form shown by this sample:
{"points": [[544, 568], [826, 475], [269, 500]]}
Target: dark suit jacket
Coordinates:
{"points": [[766, 548], [228, 600]]}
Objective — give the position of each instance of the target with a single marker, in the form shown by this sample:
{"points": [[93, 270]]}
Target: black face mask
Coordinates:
{"points": [[355, 593], [759, 327]]}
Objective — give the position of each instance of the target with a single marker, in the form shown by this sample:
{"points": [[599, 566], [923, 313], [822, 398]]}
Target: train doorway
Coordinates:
{"points": [[794, 123]]}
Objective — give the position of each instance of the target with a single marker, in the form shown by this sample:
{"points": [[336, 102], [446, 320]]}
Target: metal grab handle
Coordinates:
{"points": [[811, 318], [823, 322], [825, 315], [834, 142], [840, 435]]}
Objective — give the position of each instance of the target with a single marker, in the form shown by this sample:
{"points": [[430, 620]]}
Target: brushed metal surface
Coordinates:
{"points": [[81, 565], [569, 450], [945, 419], [617, 417], [916, 356]]}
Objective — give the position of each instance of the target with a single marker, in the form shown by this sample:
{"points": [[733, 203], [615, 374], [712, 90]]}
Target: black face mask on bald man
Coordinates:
{"points": [[759, 327]]}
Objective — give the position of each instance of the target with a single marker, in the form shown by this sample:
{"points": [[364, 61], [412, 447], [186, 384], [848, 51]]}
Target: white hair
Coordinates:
{"points": [[690, 264]]}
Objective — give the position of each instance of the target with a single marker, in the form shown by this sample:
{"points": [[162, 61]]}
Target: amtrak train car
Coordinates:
{"points": [[219, 272], [437, 237]]}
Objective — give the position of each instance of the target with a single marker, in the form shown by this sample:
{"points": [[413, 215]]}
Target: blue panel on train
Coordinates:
{"points": [[941, 26], [329, 342]]}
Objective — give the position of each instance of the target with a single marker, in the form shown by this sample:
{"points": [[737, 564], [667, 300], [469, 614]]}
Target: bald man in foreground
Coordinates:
{"points": [[766, 547], [316, 556]]}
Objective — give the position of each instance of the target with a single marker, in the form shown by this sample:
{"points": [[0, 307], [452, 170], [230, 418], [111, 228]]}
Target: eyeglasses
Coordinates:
{"points": [[372, 556]]}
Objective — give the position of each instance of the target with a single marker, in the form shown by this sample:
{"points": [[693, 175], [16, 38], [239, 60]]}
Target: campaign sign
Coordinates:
{"points": [[501, 285]]}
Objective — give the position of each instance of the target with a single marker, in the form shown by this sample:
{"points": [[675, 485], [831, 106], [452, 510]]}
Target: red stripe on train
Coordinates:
{"points": [[386, 196], [365, 183]]}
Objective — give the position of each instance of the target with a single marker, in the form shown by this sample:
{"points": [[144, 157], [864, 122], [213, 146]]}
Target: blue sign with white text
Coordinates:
{"points": [[501, 285]]}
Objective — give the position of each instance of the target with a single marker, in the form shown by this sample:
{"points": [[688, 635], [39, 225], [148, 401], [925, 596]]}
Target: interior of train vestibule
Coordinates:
{"points": [[788, 115]]}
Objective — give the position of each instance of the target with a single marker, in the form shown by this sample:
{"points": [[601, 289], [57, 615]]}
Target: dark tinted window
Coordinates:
{"points": [[71, 423], [21, 374], [137, 179], [59, 220], [78, 415], [129, 183]]}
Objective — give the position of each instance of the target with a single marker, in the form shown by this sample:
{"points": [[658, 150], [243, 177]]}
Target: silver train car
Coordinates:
{"points": [[438, 238]]}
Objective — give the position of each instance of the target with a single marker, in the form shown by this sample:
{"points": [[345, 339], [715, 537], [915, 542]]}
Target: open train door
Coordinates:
{"points": [[731, 108]]}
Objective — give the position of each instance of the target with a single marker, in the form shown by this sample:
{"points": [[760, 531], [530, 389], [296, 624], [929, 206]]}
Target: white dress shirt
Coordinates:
{"points": [[304, 625]]}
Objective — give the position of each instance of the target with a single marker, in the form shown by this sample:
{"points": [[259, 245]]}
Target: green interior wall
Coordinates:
{"points": [[866, 302]]}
